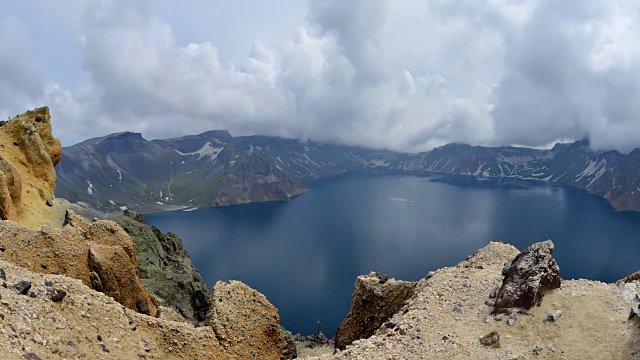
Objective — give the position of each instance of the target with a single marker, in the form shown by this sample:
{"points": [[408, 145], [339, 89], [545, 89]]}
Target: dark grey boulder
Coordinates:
{"points": [[58, 295], [22, 287], [527, 277]]}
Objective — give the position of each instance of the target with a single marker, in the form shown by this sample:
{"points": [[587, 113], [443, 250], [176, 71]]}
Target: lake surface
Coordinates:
{"points": [[305, 254]]}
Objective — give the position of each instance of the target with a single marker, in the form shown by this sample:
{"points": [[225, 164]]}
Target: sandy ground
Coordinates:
{"points": [[594, 323]]}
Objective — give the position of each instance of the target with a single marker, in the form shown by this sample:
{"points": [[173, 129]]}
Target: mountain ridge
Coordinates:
{"points": [[216, 169]]}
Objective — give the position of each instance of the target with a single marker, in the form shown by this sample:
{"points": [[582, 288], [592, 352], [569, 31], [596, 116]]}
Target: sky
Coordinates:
{"points": [[404, 75]]}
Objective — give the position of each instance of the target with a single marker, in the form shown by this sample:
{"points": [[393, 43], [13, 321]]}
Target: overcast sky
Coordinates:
{"points": [[405, 74]]}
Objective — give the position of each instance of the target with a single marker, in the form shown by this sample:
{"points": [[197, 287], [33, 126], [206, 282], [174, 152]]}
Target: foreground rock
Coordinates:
{"points": [[595, 317], [527, 277], [100, 254], [74, 326], [245, 322], [28, 155], [375, 299], [164, 266]]}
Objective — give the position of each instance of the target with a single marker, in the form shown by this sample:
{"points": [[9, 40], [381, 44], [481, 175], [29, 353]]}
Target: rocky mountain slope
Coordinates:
{"points": [[214, 168], [204, 170]]}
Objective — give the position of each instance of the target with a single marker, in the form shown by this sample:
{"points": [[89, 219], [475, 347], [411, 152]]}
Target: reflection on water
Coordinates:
{"points": [[305, 254]]}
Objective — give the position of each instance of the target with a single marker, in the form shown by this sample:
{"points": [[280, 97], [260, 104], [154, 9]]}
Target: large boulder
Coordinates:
{"points": [[527, 277], [376, 298], [100, 254], [246, 323]]}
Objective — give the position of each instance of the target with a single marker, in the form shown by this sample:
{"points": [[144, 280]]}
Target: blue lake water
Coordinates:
{"points": [[305, 254]]}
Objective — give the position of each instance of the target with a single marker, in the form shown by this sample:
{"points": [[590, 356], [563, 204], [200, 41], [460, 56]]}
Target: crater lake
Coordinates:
{"points": [[305, 254]]}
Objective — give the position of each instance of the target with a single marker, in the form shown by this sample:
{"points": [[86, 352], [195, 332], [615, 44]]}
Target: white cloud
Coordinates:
{"points": [[405, 75]]}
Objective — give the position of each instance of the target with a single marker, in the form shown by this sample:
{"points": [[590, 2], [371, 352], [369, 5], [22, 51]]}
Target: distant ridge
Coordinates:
{"points": [[217, 169]]}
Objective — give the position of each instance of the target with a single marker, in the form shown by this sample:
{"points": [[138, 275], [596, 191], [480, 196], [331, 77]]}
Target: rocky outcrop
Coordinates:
{"points": [[100, 254], [28, 154], [245, 322], [165, 268], [594, 316], [527, 277], [375, 299]]}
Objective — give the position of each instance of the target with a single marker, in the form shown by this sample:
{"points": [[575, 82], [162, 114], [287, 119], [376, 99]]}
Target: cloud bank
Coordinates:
{"points": [[404, 75]]}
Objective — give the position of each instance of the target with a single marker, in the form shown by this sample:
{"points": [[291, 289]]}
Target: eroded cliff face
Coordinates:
{"points": [[28, 154]]}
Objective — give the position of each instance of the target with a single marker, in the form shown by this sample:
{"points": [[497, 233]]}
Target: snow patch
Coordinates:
{"points": [[90, 188], [119, 175], [112, 203], [123, 208], [207, 150]]}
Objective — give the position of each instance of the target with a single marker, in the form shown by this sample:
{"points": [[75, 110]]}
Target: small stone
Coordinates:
{"points": [[99, 337], [553, 316], [635, 311], [537, 350], [44, 266], [390, 325], [492, 339], [58, 295], [3, 275], [466, 285], [33, 295], [95, 219], [31, 356], [457, 309], [146, 346], [513, 317], [430, 274], [169, 276], [2, 248], [143, 307], [479, 267], [22, 287], [445, 338], [498, 317], [15, 143], [488, 303], [494, 293], [49, 202], [382, 278], [104, 348], [72, 344], [47, 283]]}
